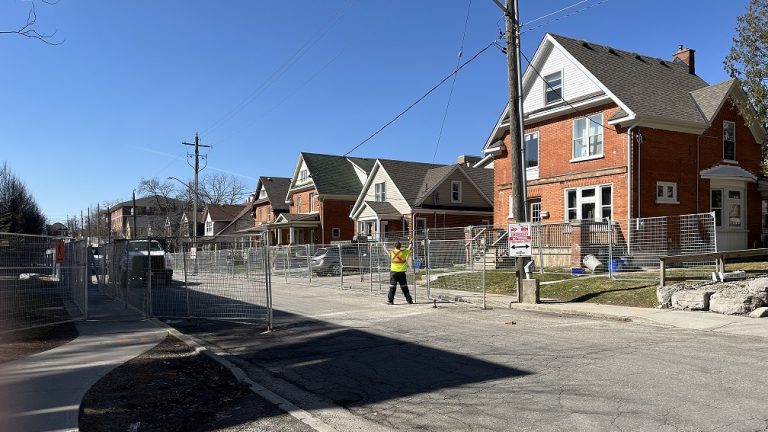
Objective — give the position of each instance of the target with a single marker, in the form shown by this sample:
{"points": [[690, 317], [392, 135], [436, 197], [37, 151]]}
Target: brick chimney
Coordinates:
{"points": [[687, 56], [467, 160]]}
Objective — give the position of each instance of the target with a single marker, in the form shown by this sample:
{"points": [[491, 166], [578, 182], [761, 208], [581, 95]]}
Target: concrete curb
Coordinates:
{"points": [[556, 311], [218, 356]]}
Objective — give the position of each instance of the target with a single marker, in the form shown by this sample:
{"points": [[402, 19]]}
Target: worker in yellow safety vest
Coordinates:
{"points": [[398, 267]]}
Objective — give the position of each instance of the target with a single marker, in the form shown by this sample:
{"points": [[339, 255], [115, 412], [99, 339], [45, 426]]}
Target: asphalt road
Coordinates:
{"points": [[356, 363]]}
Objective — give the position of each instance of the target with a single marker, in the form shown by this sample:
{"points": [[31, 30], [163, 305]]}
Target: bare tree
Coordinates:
{"points": [[220, 188], [29, 30], [167, 198]]}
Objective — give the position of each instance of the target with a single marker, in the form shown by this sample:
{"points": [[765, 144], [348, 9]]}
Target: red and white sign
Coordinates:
{"points": [[519, 239]]}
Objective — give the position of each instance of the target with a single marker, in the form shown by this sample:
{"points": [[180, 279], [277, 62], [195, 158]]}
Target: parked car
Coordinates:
{"points": [[327, 261]]}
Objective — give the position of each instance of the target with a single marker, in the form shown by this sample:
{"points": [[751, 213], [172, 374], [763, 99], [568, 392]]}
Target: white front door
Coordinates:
{"points": [[728, 200]]}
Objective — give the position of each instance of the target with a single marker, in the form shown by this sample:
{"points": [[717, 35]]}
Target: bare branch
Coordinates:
{"points": [[28, 30]]}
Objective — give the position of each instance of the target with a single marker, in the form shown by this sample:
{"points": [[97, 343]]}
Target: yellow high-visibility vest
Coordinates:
{"points": [[399, 259]]}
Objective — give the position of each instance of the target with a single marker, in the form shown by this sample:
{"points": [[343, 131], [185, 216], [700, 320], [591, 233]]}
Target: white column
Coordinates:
{"points": [[279, 236], [291, 235]]}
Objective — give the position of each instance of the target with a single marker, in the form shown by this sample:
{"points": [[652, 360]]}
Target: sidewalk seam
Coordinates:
{"points": [[218, 356]]}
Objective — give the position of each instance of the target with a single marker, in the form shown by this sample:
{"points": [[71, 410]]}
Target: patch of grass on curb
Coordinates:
{"points": [[567, 288]]}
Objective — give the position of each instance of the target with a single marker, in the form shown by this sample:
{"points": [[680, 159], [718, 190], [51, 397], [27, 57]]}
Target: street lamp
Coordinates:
{"points": [[194, 217]]}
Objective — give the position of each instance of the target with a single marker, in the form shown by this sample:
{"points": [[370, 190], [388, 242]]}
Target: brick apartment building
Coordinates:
{"points": [[612, 133]]}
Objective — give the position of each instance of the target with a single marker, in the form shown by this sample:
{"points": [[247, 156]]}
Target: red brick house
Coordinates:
{"points": [[612, 133], [269, 203], [321, 194], [400, 198]]}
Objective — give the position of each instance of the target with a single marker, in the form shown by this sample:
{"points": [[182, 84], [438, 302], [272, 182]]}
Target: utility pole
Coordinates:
{"points": [[515, 150], [197, 146]]}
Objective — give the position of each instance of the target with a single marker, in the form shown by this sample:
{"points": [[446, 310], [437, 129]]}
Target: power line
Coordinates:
{"points": [[554, 13], [576, 12], [421, 98], [453, 82], [278, 73]]}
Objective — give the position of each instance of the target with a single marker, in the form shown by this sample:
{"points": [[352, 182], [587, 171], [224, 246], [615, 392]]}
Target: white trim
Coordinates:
{"points": [[547, 87], [587, 122], [586, 158], [564, 109], [367, 185], [597, 200], [664, 199]]}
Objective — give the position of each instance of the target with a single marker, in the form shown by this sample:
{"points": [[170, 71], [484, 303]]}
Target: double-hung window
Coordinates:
{"points": [[298, 204], [729, 140], [303, 175], [380, 192], [589, 203], [455, 191], [553, 88], [588, 136], [312, 201]]}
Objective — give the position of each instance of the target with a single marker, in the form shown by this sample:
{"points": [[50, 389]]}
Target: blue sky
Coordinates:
{"points": [[82, 122]]}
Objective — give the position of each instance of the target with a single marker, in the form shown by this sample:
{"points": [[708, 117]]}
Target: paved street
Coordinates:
{"points": [[355, 363]]}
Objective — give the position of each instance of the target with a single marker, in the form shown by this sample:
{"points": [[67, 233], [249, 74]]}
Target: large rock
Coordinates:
{"points": [[738, 299], [664, 293], [691, 299], [761, 312]]}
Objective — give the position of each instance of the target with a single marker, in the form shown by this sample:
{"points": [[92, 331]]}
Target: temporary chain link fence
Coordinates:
{"points": [[43, 281], [621, 250], [224, 278]]}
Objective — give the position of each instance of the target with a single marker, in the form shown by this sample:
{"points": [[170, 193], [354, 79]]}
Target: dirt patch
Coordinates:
{"points": [[23, 343], [172, 388]]}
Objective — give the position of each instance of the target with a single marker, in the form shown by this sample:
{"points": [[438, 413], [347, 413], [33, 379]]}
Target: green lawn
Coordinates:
{"points": [[591, 289]]}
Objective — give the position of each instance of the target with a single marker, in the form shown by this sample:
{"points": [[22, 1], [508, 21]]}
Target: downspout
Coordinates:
{"points": [[698, 180], [629, 189]]}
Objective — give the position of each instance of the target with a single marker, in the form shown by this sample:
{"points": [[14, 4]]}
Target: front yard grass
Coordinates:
{"points": [[563, 287]]}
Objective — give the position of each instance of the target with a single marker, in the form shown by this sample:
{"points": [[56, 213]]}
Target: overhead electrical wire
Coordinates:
{"points": [[576, 12], [453, 82], [277, 73], [435, 87]]}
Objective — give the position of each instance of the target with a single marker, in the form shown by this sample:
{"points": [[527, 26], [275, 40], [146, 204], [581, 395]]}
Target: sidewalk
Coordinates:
{"points": [[705, 321], [43, 392]]}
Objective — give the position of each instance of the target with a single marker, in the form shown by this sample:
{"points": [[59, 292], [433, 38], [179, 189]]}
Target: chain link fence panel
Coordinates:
{"points": [[36, 288]]}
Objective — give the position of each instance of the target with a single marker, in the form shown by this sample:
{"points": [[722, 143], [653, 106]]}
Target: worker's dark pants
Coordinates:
{"points": [[394, 279]]}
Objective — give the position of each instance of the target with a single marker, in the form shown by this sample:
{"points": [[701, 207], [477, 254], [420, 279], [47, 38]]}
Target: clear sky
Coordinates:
{"points": [[82, 122]]}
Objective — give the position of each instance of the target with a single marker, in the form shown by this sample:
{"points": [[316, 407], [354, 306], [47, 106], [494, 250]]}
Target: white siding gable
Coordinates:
{"points": [[576, 83], [367, 214], [302, 167], [393, 195]]}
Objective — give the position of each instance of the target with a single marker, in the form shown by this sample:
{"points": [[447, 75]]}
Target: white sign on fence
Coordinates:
{"points": [[519, 239]]}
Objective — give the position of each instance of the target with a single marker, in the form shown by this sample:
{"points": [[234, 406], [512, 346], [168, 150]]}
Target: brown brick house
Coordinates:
{"points": [[612, 133], [269, 203], [400, 198], [320, 196]]}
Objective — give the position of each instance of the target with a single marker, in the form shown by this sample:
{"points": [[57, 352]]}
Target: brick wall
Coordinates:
{"points": [[335, 214], [305, 201]]}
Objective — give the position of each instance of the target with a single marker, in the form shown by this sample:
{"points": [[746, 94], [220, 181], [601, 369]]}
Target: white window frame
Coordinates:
{"points": [[596, 199], [298, 204], [209, 228], [733, 125], [312, 201], [511, 207], [548, 88], [336, 233], [303, 175], [588, 120], [665, 188], [459, 190], [529, 137], [380, 192], [535, 211]]}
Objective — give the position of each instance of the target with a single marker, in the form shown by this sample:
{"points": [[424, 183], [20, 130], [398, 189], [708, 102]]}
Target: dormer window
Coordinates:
{"points": [[729, 140], [553, 88]]}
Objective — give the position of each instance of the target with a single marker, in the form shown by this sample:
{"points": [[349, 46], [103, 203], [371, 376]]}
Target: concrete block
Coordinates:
{"points": [[761, 312], [531, 291]]}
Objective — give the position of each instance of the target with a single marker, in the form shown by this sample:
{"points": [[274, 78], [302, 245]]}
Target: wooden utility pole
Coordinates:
{"points": [[515, 149], [197, 146]]}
